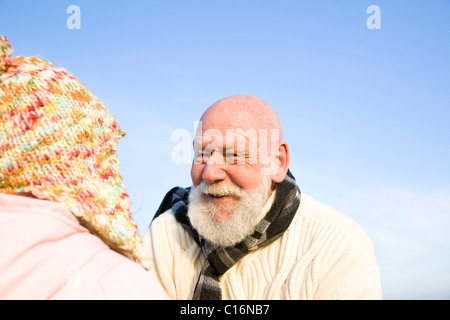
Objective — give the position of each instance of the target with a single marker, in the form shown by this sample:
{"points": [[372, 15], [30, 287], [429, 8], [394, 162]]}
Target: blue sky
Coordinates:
{"points": [[365, 112]]}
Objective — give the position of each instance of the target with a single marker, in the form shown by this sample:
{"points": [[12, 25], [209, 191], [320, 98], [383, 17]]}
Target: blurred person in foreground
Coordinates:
{"points": [[244, 230], [66, 231]]}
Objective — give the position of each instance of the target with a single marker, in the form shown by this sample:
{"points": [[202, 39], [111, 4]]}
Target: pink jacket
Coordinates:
{"points": [[46, 254]]}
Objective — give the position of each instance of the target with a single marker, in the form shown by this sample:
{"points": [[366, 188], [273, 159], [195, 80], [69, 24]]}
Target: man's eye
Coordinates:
{"points": [[232, 158], [201, 157]]}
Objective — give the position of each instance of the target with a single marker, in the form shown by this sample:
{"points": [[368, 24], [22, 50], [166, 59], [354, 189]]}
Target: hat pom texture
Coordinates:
{"points": [[58, 142]]}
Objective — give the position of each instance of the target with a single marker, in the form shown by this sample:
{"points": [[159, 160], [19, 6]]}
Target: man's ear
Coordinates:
{"points": [[282, 163]]}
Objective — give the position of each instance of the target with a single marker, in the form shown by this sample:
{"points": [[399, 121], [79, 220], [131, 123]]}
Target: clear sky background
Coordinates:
{"points": [[365, 112]]}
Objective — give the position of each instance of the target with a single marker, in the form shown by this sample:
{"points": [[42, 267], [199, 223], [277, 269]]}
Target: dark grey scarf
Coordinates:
{"points": [[220, 259]]}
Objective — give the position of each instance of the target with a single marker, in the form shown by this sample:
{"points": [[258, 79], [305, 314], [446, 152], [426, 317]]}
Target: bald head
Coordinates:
{"points": [[242, 111]]}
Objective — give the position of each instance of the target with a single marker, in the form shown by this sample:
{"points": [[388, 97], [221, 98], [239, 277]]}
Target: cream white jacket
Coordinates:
{"points": [[322, 255]]}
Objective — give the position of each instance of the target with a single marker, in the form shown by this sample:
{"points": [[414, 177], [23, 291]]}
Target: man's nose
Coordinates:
{"points": [[214, 169]]}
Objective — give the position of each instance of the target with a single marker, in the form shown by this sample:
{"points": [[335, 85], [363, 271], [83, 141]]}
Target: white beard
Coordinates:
{"points": [[242, 217]]}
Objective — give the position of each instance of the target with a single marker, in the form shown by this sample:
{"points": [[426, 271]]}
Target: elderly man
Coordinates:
{"points": [[244, 230]]}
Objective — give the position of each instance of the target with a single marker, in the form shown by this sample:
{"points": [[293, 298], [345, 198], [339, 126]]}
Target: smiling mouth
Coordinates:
{"points": [[217, 195], [219, 198]]}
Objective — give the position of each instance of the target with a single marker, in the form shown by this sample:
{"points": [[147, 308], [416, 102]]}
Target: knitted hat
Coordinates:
{"points": [[58, 142]]}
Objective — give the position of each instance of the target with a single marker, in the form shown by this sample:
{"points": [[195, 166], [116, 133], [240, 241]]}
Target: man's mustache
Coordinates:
{"points": [[220, 189]]}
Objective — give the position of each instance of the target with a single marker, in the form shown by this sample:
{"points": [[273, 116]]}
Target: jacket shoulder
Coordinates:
{"points": [[311, 208]]}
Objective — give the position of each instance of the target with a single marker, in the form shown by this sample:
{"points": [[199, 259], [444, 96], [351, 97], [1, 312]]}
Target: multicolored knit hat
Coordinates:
{"points": [[58, 142]]}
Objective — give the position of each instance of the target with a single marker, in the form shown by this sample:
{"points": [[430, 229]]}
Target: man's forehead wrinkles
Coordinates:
{"points": [[230, 137], [247, 132]]}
